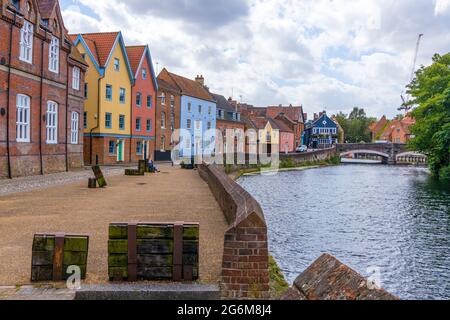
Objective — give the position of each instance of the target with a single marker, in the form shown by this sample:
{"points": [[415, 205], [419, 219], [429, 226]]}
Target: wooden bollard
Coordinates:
{"points": [[92, 183]]}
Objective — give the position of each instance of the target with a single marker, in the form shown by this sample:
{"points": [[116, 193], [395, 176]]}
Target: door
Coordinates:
{"points": [[145, 150], [120, 151], [198, 135]]}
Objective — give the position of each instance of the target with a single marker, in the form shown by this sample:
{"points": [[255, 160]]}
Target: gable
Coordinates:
{"points": [[324, 122]]}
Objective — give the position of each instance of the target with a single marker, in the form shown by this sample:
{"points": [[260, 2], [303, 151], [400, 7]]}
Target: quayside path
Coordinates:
{"points": [[169, 196]]}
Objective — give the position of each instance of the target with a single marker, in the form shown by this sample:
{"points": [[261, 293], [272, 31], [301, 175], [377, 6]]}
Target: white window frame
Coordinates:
{"points": [[116, 64], [53, 55], [52, 122], [23, 118], [76, 72], [26, 42], [74, 128]]}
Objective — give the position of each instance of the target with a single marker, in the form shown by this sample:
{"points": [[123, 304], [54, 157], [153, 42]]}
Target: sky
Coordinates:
{"points": [[328, 55]]}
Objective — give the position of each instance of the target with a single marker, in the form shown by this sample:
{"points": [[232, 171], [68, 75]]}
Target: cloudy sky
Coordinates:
{"points": [[323, 54]]}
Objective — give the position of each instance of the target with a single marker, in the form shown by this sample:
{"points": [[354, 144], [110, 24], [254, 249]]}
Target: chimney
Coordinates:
{"points": [[200, 80]]}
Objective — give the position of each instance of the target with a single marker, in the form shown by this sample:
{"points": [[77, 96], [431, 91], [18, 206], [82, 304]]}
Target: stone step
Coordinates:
{"points": [[170, 291]]}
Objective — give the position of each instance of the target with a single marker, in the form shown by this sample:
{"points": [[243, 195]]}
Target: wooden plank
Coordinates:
{"points": [[99, 176], [118, 246], [154, 246], [132, 252], [178, 251], [154, 231], [142, 166], [118, 260], [42, 258], [118, 231], [75, 258], [58, 257], [76, 244], [155, 273], [154, 260], [43, 243], [42, 273]]}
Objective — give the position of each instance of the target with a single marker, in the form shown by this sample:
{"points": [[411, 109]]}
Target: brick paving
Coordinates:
{"points": [[172, 195]]}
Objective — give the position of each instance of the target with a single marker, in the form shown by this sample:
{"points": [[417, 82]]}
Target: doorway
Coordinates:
{"points": [[120, 148]]}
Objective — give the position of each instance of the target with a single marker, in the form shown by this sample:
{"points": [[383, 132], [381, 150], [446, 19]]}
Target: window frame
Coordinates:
{"points": [[122, 124], [112, 144], [139, 99], [149, 125], [25, 43], [106, 120], [116, 64], [53, 55], [109, 86], [124, 95], [149, 101], [163, 120], [76, 78], [144, 73], [74, 127], [139, 148], [138, 121], [23, 109], [51, 122]]}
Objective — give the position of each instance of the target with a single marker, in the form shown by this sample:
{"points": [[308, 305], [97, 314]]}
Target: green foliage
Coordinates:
{"points": [[356, 125], [431, 93], [278, 284], [288, 163]]}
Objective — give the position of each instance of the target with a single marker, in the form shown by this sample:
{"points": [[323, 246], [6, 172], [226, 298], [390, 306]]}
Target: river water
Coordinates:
{"points": [[394, 220]]}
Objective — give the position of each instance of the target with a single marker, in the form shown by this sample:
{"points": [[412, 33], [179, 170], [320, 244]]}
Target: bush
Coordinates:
{"points": [[444, 173]]}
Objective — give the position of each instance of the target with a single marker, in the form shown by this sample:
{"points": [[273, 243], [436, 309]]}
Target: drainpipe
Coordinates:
{"points": [[67, 113], [8, 147], [131, 118], [98, 119], [40, 104]]}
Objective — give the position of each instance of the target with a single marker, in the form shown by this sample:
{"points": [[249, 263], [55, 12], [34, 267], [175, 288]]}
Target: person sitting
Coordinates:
{"points": [[151, 166]]}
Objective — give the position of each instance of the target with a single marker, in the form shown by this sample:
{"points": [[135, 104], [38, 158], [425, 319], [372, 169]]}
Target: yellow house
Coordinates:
{"points": [[107, 113]]}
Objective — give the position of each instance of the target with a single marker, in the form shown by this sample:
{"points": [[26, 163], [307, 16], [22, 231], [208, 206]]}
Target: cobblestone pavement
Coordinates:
{"points": [[40, 182], [171, 195]]}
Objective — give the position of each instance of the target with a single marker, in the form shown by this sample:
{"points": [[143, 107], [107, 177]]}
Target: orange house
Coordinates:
{"points": [[143, 103]]}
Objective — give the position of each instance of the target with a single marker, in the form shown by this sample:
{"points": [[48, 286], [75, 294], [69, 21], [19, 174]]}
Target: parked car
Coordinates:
{"points": [[302, 149]]}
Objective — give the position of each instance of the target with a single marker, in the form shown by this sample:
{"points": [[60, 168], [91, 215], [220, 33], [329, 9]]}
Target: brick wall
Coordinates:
{"points": [[317, 155], [245, 265]]}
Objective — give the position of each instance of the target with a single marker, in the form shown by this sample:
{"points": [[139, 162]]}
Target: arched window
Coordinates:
{"points": [[26, 42], [163, 143], [52, 122], [163, 98]]}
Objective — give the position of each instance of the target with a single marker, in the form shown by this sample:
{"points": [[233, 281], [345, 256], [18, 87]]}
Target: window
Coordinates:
{"points": [[112, 147], [189, 107], [209, 110], [23, 118], [149, 101], [52, 122], [172, 101], [163, 98], [122, 96], [116, 64], [76, 78], [109, 91], [189, 123], [53, 55], [220, 115], [138, 124], [238, 117], [85, 119], [144, 74], [138, 99], [86, 88], [16, 4], [139, 148], [149, 125], [163, 120], [108, 120], [26, 42], [199, 109], [209, 125], [121, 122], [163, 143], [74, 128]]}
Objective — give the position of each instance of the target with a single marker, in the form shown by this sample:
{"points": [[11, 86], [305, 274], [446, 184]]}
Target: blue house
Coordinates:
{"points": [[323, 132], [197, 114]]}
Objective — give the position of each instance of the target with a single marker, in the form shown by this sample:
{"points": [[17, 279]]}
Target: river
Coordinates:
{"points": [[394, 219]]}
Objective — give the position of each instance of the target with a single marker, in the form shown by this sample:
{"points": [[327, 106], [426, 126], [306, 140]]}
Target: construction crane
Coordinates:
{"points": [[405, 106]]}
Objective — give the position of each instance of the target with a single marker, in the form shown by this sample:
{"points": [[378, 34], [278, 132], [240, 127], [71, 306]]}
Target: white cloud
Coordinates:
{"points": [[333, 54]]}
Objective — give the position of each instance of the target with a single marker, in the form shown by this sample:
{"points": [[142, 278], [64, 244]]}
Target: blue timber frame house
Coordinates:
{"points": [[321, 133]]}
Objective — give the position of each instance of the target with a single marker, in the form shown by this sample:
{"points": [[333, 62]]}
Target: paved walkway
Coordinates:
{"points": [[172, 195]]}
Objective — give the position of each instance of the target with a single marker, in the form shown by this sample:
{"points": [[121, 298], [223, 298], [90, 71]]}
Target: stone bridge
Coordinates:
{"points": [[391, 153]]}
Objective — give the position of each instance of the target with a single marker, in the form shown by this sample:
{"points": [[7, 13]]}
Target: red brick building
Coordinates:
{"points": [[41, 91], [168, 114], [143, 103]]}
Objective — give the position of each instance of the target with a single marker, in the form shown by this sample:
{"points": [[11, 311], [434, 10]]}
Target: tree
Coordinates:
{"points": [[431, 94], [356, 125]]}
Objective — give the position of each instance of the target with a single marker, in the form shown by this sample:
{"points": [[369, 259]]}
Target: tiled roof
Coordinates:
{"points": [[378, 126], [190, 87], [280, 125], [135, 54], [46, 7], [294, 113], [222, 103], [162, 84], [101, 45]]}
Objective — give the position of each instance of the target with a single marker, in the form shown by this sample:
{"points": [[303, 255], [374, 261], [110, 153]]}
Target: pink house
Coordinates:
{"points": [[287, 135]]}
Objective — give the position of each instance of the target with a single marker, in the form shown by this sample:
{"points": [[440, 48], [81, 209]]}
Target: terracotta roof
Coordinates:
{"points": [[280, 125], [378, 126], [190, 87], [101, 45], [162, 84], [135, 54], [295, 113], [46, 7], [259, 123]]}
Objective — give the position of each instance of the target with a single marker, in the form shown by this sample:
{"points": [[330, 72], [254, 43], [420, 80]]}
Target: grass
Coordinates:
{"points": [[278, 284]]}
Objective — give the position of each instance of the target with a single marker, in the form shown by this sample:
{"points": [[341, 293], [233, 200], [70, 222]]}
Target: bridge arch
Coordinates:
{"points": [[370, 152]]}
